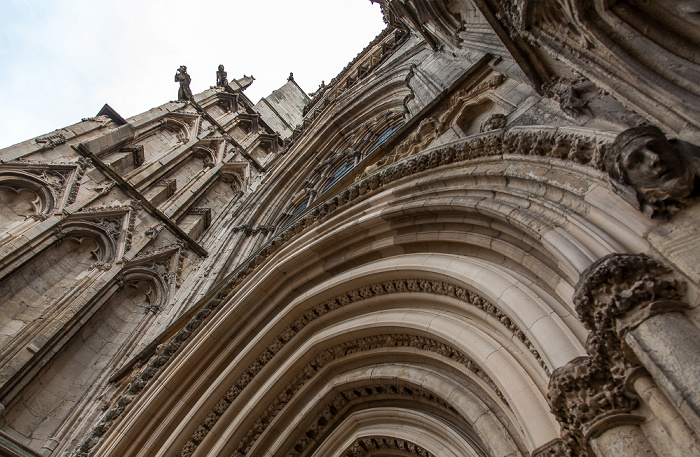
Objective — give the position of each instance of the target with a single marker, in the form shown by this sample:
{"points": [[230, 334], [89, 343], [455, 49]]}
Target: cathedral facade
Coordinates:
{"points": [[480, 239]]}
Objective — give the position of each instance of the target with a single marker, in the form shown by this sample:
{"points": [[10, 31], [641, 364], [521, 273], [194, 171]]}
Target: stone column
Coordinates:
{"points": [[680, 436], [632, 298], [622, 440], [591, 405]]}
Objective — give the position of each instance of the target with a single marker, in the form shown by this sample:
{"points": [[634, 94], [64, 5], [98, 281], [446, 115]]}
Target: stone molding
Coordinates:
{"points": [[322, 359], [585, 147], [367, 446], [554, 448], [577, 145], [165, 353], [334, 409]]}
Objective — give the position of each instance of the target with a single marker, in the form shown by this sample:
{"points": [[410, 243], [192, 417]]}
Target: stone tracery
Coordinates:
{"points": [[240, 264]]}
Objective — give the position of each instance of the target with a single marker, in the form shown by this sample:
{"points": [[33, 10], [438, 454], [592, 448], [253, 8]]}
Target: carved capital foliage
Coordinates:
{"points": [[619, 283], [582, 394], [589, 391]]}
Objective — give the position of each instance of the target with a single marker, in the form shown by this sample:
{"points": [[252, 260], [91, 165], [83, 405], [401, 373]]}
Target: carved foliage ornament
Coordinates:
{"points": [[618, 283], [590, 389], [51, 141], [58, 177], [581, 394], [333, 412], [325, 357], [166, 352], [370, 445]]}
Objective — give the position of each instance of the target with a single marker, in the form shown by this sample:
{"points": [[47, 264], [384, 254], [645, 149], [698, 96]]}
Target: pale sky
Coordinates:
{"points": [[61, 60]]}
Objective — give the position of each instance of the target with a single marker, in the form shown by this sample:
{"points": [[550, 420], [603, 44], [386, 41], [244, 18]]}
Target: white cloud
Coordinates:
{"points": [[63, 60]]}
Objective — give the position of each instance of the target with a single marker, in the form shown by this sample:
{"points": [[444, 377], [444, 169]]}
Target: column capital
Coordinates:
{"points": [[618, 284], [584, 395]]}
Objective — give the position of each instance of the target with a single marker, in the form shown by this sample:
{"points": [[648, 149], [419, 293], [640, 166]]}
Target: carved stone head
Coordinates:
{"points": [[221, 68], [494, 122], [644, 159]]}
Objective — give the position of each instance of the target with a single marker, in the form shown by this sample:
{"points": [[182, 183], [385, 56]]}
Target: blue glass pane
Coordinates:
{"points": [[339, 173], [386, 134]]}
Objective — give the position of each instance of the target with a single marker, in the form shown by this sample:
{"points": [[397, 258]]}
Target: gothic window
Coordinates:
{"points": [[339, 173], [383, 137]]}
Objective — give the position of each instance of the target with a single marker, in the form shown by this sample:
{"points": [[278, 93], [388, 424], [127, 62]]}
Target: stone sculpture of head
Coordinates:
{"points": [[644, 159]]}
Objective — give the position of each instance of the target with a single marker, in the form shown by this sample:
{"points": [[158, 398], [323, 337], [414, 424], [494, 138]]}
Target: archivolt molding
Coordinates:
{"points": [[322, 359], [395, 286], [580, 145], [354, 396], [367, 446]]}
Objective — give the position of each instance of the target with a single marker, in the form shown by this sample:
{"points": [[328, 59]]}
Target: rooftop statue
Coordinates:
{"points": [[221, 80], [662, 173], [184, 93]]}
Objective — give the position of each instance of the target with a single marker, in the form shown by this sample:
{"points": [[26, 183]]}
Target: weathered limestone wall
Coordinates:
{"points": [[459, 246]]}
